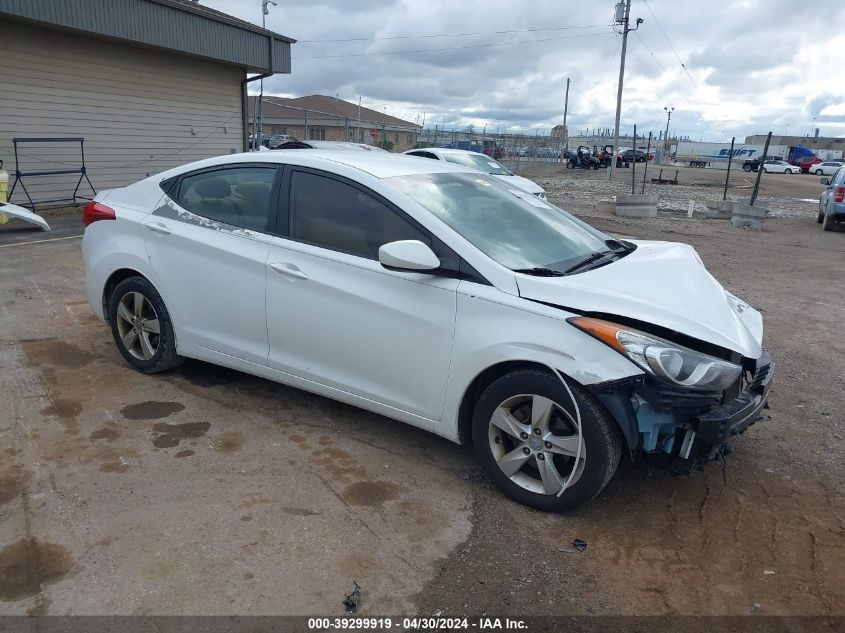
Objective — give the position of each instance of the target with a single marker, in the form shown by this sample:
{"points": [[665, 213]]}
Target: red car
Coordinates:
{"points": [[806, 163]]}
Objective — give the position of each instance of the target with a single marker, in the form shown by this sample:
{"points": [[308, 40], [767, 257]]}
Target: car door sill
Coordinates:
{"points": [[306, 384]]}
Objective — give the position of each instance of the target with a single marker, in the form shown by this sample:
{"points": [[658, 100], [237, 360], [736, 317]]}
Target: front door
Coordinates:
{"points": [[337, 317]]}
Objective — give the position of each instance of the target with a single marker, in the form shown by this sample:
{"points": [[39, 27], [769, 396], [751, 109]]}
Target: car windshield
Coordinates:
{"points": [[479, 162], [510, 226]]}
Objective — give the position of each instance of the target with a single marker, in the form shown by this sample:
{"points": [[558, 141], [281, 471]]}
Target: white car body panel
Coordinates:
{"points": [[333, 336], [20, 213], [338, 325], [663, 283]]}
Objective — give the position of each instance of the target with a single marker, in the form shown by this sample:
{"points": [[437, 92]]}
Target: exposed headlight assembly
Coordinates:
{"points": [[668, 361]]}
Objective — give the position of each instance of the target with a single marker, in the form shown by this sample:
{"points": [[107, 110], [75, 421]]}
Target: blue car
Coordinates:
{"points": [[832, 200]]}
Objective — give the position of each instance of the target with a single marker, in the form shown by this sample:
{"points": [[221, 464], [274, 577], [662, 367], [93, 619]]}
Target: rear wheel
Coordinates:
{"points": [[819, 172], [765, 171], [828, 222], [747, 168], [141, 326], [526, 436]]}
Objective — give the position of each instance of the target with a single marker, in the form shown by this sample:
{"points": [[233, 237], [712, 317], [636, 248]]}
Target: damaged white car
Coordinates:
{"points": [[439, 297]]}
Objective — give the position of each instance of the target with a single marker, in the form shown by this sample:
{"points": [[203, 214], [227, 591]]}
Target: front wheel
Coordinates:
{"points": [[526, 436], [141, 326], [819, 172], [765, 171], [789, 171], [747, 168]]}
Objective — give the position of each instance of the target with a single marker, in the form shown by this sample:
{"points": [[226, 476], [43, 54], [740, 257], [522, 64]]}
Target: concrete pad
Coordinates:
{"points": [[746, 216], [636, 205]]}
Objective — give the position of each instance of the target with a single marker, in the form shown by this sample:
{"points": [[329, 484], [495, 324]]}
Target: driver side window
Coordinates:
{"points": [[237, 196]]}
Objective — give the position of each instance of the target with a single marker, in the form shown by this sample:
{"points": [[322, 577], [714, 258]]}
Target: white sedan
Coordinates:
{"points": [[437, 296], [482, 163], [827, 168], [780, 167]]}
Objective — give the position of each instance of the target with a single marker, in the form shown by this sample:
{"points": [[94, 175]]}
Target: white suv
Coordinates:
{"points": [[437, 296]]}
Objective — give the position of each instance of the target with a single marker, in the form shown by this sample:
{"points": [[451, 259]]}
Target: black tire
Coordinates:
{"points": [[570, 164], [819, 172], [820, 218], [747, 168], [602, 438], [165, 356], [765, 171], [828, 222]]}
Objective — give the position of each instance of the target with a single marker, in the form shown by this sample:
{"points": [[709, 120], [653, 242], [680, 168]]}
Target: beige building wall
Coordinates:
{"points": [[140, 111]]}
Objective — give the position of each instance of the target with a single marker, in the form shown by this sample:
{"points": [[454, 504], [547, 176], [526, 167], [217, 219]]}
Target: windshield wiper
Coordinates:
{"points": [[539, 272], [589, 259]]}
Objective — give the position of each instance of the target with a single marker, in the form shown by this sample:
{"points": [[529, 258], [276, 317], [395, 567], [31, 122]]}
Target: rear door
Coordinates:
{"points": [[337, 317], [208, 244]]}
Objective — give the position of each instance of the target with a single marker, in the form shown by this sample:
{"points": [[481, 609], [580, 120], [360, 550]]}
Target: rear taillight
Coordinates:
{"points": [[94, 211], [839, 194]]}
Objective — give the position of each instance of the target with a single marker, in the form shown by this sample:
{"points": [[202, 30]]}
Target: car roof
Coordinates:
{"points": [[378, 164], [348, 145]]}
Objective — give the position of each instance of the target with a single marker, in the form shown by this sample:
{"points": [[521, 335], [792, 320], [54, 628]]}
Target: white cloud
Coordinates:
{"points": [[751, 65]]}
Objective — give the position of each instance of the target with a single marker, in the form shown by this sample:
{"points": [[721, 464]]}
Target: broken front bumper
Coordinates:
{"points": [[717, 425], [682, 430]]}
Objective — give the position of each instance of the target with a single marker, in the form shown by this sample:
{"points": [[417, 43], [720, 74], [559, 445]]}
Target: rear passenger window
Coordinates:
{"points": [[239, 196], [328, 213]]}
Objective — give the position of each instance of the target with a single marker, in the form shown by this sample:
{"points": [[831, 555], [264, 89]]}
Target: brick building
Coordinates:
{"points": [[322, 118]]}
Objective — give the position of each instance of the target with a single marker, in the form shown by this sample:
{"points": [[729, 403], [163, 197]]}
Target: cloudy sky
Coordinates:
{"points": [[749, 66]]}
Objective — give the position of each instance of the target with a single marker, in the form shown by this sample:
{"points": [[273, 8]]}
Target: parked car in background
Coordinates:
{"points": [[331, 145], [494, 149], [469, 146], [827, 168], [278, 139], [807, 164], [429, 293], [832, 200], [631, 155], [482, 163], [779, 167]]}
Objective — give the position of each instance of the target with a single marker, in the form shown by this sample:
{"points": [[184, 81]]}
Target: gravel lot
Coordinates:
{"points": [[210, 491]]}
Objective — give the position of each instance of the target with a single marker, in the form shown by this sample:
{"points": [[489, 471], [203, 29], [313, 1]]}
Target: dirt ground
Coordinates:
{"points": [[210, 491]]}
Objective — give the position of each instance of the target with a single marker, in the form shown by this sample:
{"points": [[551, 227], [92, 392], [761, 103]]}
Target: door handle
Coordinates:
{"points": [[289, 269], [157, 227]]}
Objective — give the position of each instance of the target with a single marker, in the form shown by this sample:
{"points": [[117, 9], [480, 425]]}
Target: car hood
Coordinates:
{"points": [[521, 183], [662, 283]]}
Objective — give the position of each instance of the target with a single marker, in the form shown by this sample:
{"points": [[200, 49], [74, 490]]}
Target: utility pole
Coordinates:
{"points": [[565, 108], [623, 16], [258, 113], [666, 145]]}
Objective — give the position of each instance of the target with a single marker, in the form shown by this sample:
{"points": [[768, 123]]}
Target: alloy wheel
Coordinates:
{"points": [[535, 443], [138, 325]]}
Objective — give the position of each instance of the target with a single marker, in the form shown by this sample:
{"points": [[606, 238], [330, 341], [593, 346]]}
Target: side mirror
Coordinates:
{"points": [[407, 255], [825, 181]]}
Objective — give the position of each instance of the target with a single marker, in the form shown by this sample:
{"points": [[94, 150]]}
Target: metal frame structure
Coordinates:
{"points": [[81, 170]]}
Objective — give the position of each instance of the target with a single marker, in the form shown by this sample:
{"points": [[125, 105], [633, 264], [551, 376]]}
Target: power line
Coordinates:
{"points": [[453, 48], [680, 61], [678, 88], [430, 35]]}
